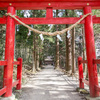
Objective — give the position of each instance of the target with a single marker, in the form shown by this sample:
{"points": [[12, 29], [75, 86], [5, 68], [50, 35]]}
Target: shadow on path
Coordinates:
{"points": [[50, 84]]}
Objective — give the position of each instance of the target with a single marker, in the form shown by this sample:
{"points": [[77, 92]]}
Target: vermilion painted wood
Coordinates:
{"points": [[80, 68], [3, 63], [96, 20], [16, 63], [47, 0], [2, 20], [9, 53], [2, 91], [68, 20], [96, 61], [54, 5], [19, 73], [49, 20], [49, 12], [15, 83], [46, 20], [90, 50], [85, 81]]}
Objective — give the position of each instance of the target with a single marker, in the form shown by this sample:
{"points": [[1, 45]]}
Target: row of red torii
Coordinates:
{"points": [[12, 5]]}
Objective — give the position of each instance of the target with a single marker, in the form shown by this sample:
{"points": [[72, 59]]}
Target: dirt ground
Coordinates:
{"points": [[50, 84]]}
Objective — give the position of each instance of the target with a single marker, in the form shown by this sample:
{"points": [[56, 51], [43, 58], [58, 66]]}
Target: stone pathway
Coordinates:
{"points": [[50, 84]]}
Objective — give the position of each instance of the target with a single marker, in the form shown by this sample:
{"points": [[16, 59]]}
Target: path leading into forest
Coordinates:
{"points": [[50, 84]]}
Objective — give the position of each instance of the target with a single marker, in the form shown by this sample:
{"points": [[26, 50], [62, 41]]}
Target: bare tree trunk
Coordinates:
{"points": [[73, 51], [85, 69], [29, 56], [57, 53], [68, 53], [37, 54], [41, 56], [34, 54], [68, 50], [86, 74], [57, 46], [38, 58], [25, 53]]}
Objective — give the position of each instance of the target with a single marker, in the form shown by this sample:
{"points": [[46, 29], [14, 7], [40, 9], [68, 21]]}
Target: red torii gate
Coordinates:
{"points": [[12, 5]]}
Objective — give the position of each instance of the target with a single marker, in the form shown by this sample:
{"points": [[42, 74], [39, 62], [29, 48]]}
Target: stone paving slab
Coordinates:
{"points": [[50, 84]]}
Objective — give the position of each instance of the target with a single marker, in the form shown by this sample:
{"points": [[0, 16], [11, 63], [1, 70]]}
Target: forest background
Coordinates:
{"points": [[34, 51]]}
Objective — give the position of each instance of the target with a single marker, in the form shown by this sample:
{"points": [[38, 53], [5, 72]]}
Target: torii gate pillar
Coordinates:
{"points": [[90, 50], [9, 52]]}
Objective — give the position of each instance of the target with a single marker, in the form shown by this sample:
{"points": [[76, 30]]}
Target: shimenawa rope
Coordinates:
{"points": [[49, 33]]}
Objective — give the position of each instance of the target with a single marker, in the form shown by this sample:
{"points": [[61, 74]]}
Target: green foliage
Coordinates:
{"points": [[48, 46]]}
